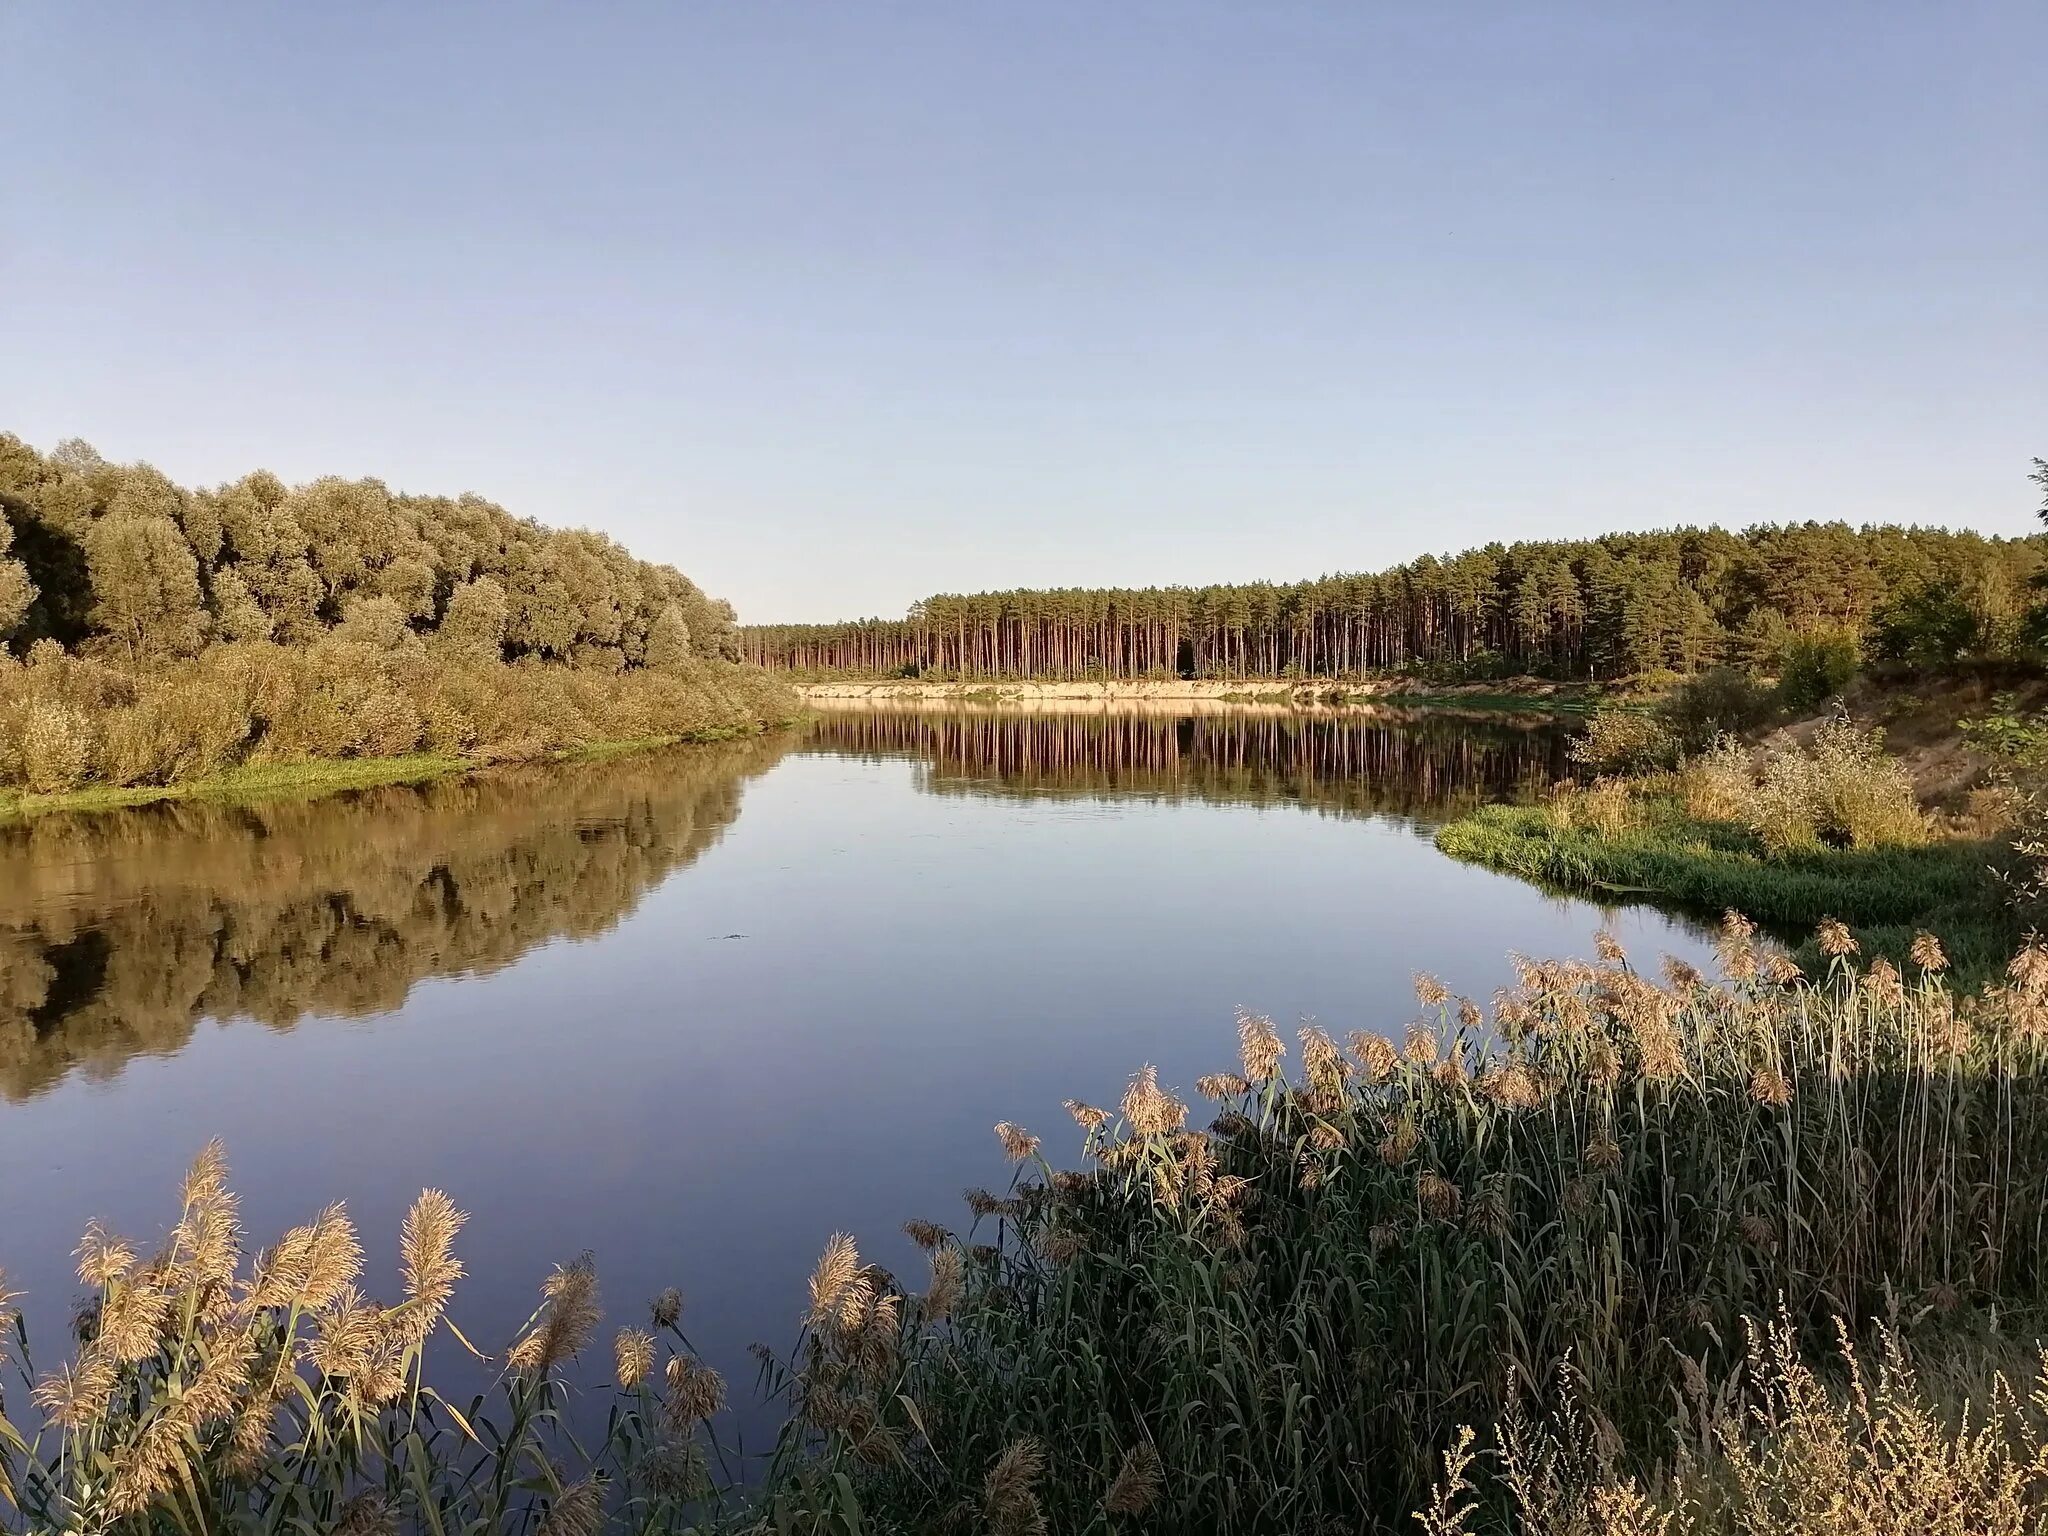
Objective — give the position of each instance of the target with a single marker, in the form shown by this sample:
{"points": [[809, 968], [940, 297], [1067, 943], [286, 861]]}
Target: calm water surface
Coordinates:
{"points": [[696, 1011]]}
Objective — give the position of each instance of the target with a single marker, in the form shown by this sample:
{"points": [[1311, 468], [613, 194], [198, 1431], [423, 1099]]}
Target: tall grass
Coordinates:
{"points": [[67, 722], [1279, 1322], [213, 1390], [1296, 1310]]}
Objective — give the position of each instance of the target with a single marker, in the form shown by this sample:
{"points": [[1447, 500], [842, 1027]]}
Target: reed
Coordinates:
{"points": [[215, 1390], [1297, 1310]]}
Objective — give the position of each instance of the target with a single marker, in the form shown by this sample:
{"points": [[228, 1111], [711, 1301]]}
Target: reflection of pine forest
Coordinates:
{"points": [[118, 933], [1340, 763]]}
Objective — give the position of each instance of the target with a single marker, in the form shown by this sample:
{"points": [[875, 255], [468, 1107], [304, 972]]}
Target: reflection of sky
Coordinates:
{"points": [[703, 1110]]}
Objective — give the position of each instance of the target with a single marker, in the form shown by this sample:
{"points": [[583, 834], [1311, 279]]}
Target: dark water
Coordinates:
{"points": [[696, 1011]]}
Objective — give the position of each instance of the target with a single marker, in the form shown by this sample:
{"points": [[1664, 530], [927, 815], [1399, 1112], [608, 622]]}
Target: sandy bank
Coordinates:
{"points": [[1518, 693]]}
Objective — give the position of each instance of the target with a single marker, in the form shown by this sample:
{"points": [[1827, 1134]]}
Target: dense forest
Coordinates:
{"points": [[149, 632], [1618, 605]]}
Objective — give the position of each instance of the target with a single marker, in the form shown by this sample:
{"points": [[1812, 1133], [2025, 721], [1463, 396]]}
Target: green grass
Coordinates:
{"points": [[323, 776], [1671, 859]]}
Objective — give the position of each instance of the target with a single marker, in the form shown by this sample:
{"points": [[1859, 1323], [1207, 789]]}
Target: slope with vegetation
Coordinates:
{"points": [[1615, 606], [151, 634], [1728, 793]]}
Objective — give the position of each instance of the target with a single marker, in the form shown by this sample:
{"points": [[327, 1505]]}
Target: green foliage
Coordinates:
{"points": [[1717, 702], [176, 634], [1927, 627], [115, 560], [1842, 792], [1816, 668], [1885, 893], [1618, 739], [1623, 604]]}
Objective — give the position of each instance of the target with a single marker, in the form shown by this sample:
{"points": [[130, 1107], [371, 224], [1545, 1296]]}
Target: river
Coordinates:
{"points": [[696, 1010]]}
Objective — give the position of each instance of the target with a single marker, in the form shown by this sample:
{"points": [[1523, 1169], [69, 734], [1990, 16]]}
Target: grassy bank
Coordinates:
{"points": [[309, 778], [1884, 894], [1279, 1323]]}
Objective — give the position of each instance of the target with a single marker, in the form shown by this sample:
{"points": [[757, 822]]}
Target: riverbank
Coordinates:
{"points": [[1886, 895], [312, 778], [1515, 695]]}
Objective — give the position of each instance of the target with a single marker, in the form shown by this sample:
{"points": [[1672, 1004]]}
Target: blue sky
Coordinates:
{"points": [[838, 304]]}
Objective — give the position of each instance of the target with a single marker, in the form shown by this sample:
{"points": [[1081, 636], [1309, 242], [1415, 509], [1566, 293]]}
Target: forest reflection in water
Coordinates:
{"points": [[121, 931], [1422, 764]]}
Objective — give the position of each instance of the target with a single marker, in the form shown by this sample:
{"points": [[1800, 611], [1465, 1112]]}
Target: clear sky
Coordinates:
{"points": [[838, 304]]}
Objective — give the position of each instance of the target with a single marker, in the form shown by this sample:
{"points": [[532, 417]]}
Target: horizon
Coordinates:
{"points": [[838, 309]]}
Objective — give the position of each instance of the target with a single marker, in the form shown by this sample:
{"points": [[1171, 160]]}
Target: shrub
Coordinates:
{"points": [[1842, 791], [54, 746], [1624, 741], [1817, 668], [1714, 703], [1719, 783], [67, 721]]}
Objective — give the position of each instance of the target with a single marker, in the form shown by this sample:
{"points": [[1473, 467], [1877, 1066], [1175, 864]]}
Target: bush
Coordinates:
{"points": [[1624, 741], [1718, 784], [1843, 791], [1817, 668], [66, 722], [1714, 703]]}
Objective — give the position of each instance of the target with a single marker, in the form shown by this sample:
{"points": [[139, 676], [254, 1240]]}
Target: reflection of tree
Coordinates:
{"points": [[1342, 763], [118, 932]]}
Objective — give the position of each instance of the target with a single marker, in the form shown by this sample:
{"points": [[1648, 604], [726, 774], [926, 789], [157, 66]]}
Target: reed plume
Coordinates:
{"points": [[427, 1243], [578, 1510], [569, 1315], [366, 1514], [1928, 954], [1148, 1109], [943, 1294], [837, 1272], [695, 1392], [1135, 1488], [103, 1259], [632, 1356], [1834, 939], [667, 1308], [1008, 1501], [1087, 1116], [1258, 1047], [1018, 1144]]}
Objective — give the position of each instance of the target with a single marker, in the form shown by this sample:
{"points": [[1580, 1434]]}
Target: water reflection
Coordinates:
{"points": [[1426, 766], [120, 931]]}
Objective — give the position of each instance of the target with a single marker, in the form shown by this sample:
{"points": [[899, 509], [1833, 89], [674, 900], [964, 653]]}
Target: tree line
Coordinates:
{"points": [[1617, 605], [150, 633], [115, 561]]}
